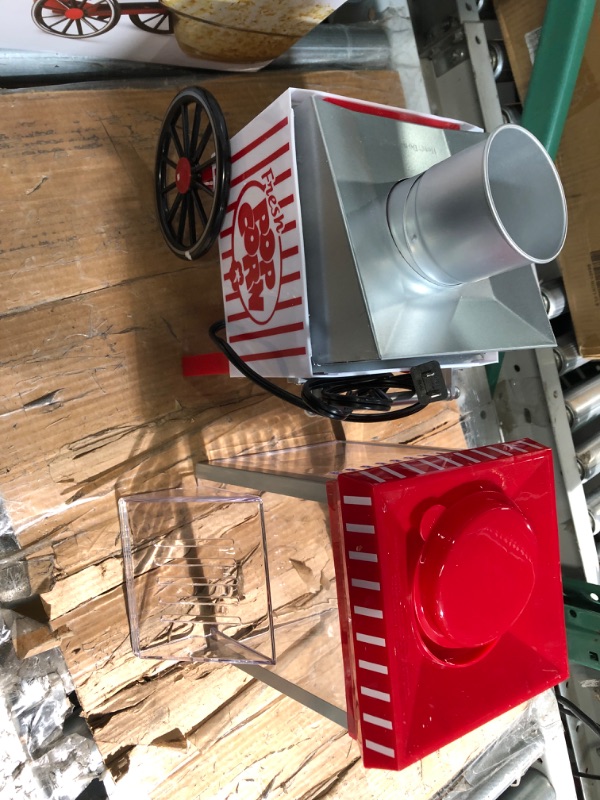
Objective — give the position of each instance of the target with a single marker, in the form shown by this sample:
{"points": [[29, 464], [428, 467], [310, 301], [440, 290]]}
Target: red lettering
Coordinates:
{"points": [[261, 217], [236, 275], [257, 272], [269, 179], [256, 301], [252, 272], [267, 246], [245, 218], [248, 229], [251, 240], [268, 272]]}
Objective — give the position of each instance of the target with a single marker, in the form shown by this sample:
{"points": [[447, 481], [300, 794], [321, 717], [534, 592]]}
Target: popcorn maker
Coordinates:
{"points": [[359, 240]]}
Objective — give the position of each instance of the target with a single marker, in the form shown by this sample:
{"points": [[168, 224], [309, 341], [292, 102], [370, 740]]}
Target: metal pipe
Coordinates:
{"points": [[588, 457], [343, 46], [554, 297], [533, 786], [498, 59], [511, 114], [583, 402], [490, 208], [567, 355], [515, 767]]}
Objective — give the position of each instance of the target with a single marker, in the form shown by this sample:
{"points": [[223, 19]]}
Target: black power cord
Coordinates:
{"points": [[342, 398], [570, 709]]}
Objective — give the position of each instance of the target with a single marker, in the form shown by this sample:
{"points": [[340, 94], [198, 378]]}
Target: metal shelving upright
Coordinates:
{"points": [[528, 398]]}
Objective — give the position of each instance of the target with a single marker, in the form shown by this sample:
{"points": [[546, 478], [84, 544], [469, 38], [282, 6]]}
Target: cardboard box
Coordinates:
{"points": [[578, 162]]}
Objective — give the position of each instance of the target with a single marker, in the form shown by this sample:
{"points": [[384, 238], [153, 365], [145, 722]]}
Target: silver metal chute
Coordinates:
{"points": [[493, 207], [368, 303]]}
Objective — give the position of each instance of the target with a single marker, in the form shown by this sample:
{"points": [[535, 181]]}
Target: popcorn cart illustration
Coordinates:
{"points": [[246, 35], [83, 19]]}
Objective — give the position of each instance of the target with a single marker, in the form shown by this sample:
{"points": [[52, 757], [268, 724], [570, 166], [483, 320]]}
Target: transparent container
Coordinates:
{"points": [[197, 577], [310, 664], [200, 588]]}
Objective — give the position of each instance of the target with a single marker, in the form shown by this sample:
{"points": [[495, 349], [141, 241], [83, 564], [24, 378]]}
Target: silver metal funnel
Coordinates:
{"points": [[369, 307], [493, 207]]}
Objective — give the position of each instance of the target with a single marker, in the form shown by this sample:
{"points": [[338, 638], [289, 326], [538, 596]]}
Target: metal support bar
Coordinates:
{"points": [[483, 74], [305, 489], [296, 692]]}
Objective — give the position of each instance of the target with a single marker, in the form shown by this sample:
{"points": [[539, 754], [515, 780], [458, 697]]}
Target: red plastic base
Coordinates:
{"points": [[204, 364], [450, 594]]}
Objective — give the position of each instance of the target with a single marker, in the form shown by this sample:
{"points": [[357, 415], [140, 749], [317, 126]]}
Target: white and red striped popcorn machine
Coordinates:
{"points": [[357, 240]]}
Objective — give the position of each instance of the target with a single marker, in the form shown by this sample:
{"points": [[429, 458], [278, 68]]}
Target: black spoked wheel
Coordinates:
{"points": [[75, 19], [193, 170], [159, 22]]}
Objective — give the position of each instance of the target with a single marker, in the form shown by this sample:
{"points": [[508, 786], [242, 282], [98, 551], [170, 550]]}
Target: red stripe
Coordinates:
{"points": [[392, 113], [293, 276], [261, 164], [259, 140], [242, 337], [293, 251], [292, 351], [286, 201], [283, 177], [295, 301], [228, 254], [236, 317], [230, 297], [226, 232], [289, 227]]}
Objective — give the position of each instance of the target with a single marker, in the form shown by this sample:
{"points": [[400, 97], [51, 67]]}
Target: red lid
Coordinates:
{"points": [[479, 545], [451, 608]]}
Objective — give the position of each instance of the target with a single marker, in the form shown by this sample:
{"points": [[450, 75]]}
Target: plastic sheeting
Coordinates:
{"points": [[48, 752], [501, 764]]}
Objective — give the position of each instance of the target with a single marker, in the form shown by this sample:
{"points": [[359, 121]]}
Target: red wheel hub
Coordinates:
{"points": [[74, 13], [183, 175], [207, 177]]}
